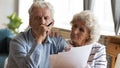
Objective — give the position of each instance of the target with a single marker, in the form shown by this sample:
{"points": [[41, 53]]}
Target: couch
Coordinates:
{"points": [[112, 44], [5, 37], [113, 48]]}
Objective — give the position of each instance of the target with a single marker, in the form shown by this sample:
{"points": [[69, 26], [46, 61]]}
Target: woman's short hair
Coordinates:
{"points": [[90, 21], [41, 4]]}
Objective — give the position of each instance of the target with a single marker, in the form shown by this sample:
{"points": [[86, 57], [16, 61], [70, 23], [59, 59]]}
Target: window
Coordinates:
{"points": [[103, 12], [23, 13], [64, 10]]}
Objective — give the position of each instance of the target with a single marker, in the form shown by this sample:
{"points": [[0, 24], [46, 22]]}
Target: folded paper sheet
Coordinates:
{"points": [[77, 57]]}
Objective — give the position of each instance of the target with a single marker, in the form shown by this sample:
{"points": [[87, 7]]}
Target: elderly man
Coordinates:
{"points": [[31, 49]]}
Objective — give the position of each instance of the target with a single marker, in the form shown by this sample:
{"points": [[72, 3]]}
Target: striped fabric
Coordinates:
{"points": [[97, 58]]}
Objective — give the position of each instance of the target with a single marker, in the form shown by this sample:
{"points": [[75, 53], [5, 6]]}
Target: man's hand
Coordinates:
{"points": [[41, 33]]}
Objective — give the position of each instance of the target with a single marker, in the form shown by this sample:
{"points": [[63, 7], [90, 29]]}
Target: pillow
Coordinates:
{"points": [[5, 33], [4, 45], [5, 36]]}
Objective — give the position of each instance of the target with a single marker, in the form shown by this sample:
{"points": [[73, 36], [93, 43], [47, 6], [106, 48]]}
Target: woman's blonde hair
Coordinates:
{"points": [[90, 21]]}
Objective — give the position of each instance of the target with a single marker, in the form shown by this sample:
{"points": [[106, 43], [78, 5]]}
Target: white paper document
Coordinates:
{"points": [[77, 57]]}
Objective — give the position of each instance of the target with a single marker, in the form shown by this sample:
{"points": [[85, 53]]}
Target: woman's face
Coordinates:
{"points": [[79, 33]]}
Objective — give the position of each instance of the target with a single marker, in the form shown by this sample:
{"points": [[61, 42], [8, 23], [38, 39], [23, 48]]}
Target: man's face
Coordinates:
{"points": [[40, 16]]}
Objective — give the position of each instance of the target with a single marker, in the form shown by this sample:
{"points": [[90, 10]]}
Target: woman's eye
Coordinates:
{"points": [[81, 29], [75, 26]]}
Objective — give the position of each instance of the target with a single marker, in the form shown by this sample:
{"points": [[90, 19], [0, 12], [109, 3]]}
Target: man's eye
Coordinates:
{"points": [[46, 18], [37, 18]]}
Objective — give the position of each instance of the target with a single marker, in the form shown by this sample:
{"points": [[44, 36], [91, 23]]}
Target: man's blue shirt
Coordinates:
{"points": [[26, 53]]}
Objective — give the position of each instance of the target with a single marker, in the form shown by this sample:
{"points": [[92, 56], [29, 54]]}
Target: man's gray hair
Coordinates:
{"points": [[41, 4], [90, 21]]}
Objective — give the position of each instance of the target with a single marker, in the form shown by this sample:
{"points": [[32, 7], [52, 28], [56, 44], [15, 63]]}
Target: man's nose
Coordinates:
{"points": [[43, 21]]}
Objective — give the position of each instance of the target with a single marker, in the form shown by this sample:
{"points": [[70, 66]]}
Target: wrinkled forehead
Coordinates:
{"points": [[80, 24], [78, 21]]}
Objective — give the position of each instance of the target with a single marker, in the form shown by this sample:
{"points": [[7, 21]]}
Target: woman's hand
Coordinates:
{"points": [[67, 48]]}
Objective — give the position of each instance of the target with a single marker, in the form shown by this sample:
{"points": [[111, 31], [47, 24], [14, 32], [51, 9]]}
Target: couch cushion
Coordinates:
{"points": [[2, 59], [4, 47], [5, 36]]}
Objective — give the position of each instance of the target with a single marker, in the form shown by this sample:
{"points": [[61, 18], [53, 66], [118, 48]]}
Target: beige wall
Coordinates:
{"points": [[7, 7]]}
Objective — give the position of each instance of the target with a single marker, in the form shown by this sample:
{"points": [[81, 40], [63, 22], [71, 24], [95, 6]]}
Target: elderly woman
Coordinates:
{"points": [[85, 31]]}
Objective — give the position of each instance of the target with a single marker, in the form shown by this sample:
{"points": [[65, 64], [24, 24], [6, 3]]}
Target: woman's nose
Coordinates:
{"points": [[76, 31]]}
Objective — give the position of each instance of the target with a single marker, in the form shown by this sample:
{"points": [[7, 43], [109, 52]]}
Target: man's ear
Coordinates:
{"points": [[30, 22]]}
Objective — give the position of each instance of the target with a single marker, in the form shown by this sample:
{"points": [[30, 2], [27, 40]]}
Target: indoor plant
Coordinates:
{"points": [[15, 22]]}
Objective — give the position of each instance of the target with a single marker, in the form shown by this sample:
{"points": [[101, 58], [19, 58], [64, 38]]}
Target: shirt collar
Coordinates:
{"points": [[48, 40], [31, 36]]}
